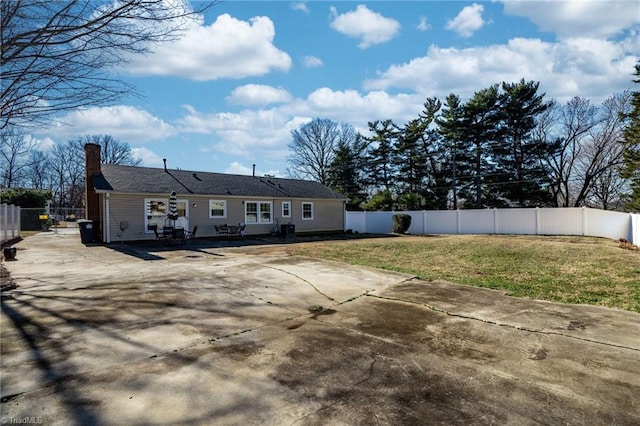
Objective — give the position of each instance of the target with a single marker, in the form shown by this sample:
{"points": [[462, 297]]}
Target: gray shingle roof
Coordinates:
{"points": [[130, 179]]}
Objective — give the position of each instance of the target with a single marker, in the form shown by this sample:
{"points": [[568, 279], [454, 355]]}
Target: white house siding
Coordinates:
{"points": [[328, 215], [125, 208]]}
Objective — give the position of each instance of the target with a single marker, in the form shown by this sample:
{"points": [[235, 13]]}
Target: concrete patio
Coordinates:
{"points": [[227, 333]]}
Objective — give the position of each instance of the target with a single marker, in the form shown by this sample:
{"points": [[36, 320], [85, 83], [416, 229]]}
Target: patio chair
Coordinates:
{"points": [[179, 235], [155, 231], [224, 229], [191, 234], [167, 233], [241, 229]]}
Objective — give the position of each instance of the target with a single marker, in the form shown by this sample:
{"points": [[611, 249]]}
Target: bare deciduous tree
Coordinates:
{"points": [[58, 55], [66, 165], [314, 146], [112, 151], [597, 166], [67, 175], [38, 170], [589, 147], [15, 146]]}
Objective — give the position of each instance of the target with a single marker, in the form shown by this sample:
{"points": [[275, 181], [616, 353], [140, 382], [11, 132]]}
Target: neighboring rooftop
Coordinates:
{"points": [[129, 179]]}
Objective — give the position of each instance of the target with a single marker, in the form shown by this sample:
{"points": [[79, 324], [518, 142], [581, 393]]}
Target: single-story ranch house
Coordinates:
{"points": [[126, 203]]}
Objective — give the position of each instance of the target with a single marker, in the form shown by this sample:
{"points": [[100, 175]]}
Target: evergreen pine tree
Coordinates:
{"points": [[631, 153]]}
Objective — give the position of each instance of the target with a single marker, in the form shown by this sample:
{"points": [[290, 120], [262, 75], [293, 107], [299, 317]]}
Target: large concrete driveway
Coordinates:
{"points": [[250, 335]]}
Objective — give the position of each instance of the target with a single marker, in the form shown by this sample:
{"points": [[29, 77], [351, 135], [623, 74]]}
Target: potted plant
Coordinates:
{"points": [[9, 253]]}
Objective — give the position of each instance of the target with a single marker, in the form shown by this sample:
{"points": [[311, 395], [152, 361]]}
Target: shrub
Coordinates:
{"points": [[26, 198], [401, 223], [383, 200]]}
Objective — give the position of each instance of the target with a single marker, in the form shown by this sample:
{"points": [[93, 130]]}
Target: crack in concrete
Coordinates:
{"points": [[301, 279], [311, 316], [268, 302], [500, 324]]}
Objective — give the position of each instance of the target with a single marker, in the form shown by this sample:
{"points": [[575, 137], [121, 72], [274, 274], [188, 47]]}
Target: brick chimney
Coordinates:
{"points": [[91, 199]]}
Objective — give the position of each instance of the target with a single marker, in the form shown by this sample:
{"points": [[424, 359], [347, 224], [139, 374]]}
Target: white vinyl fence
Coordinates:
{"points": [[534, 221], [9, 222]]}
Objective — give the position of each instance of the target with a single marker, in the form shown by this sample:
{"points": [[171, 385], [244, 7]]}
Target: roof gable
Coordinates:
{"points": [[129, 179]]}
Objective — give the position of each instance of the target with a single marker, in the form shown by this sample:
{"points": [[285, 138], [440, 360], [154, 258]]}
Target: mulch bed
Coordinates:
{"points": [[6, 282]]}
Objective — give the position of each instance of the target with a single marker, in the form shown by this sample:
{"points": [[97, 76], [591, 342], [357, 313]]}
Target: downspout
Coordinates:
{"points": [[344, 215], [107, 215]]}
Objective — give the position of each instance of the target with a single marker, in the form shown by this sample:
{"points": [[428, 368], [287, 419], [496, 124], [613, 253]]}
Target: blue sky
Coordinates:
{"points": [[246, 74]]}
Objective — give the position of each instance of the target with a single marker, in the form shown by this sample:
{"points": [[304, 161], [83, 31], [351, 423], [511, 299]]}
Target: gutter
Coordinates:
{"points": [[107, 222]]}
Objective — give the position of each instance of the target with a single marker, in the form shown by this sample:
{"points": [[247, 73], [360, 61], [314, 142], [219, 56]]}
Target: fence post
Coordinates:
{"points": [[537, 220], [13, 222], [457, 221], [495, 220], [3, 225], [584, 220]]}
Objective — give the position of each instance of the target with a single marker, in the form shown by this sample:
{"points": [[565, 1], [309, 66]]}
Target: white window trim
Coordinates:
{"points": [[259, 215], [288, 203], [146, 219], [312, 214], [224, 209]]}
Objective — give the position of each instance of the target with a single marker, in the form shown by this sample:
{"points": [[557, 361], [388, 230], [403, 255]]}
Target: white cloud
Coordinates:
{"points": [[148, 157], [301, 6], [228, 48], [578, 18], [353, 107], [468, 21], [258, 94], [237, 168], [249, 133], [574, 67], [263, 134], [311, 62], [125, 123], [44, 144], [423, 25], [368, 26]]}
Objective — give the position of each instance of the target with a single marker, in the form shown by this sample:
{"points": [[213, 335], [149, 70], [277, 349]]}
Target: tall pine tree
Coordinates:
{"points": [[522, 179], [410, 161], [450, 129], [482, 126], [346, 171], [631, 153], [380, 168]]}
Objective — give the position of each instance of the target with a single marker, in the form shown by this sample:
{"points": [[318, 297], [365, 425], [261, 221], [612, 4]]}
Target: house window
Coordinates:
{"points": [[265, 212], [155, 213], [217, 209], [307, 211], [257, 212], [286, 209]]}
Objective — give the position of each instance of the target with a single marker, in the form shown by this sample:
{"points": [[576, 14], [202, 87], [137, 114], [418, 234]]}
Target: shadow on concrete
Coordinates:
{"points": [[31, 332], [149, 250], [39, 328], [140, 251]]}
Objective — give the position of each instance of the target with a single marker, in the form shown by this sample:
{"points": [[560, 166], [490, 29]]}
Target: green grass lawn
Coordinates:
{"points": [[594, 271]]}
